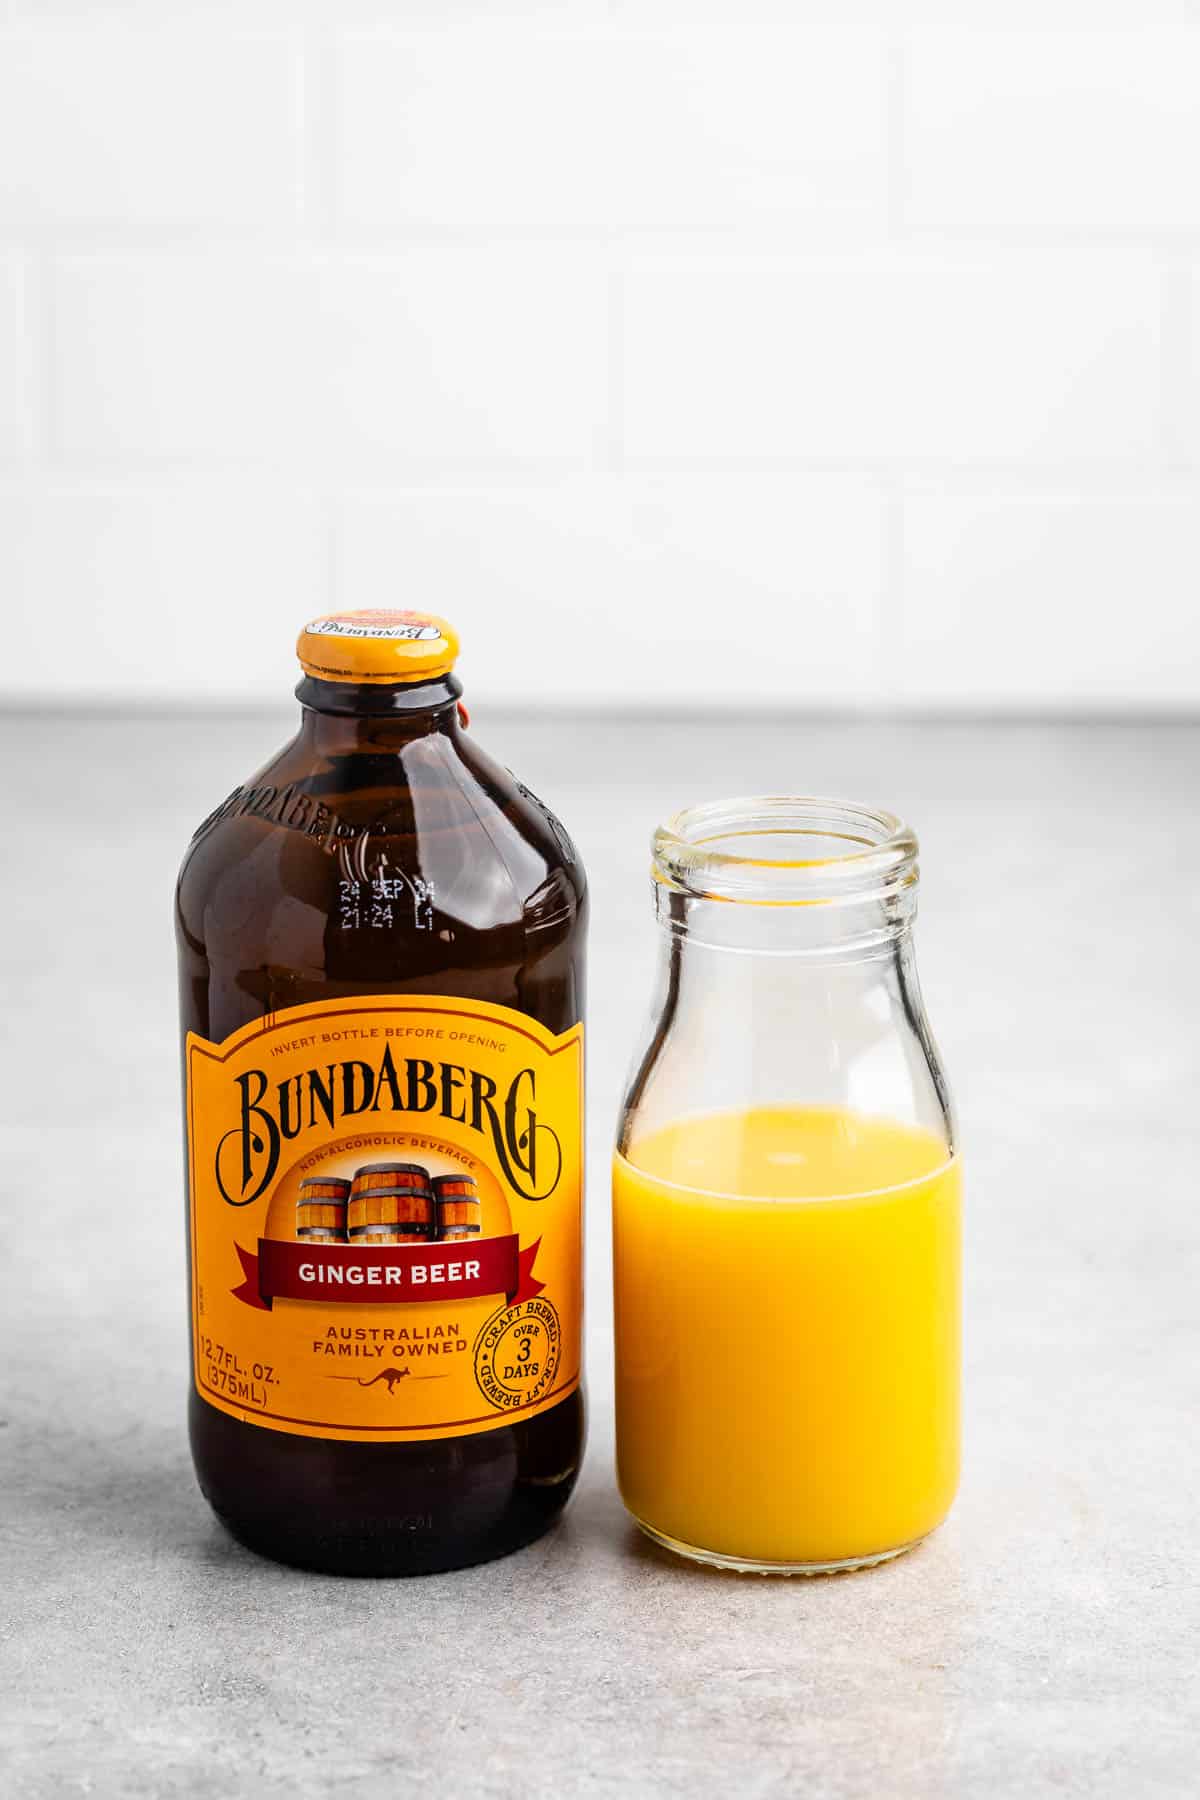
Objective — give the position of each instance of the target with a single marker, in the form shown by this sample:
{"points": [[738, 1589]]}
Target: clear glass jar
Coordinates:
{"points": [[786, 1213]]}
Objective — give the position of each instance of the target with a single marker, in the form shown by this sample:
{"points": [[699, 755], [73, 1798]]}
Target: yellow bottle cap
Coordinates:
{"points": [[376, 645]]}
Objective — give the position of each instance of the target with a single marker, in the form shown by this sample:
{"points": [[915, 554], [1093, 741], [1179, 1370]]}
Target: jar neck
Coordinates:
{"points": [[787, 876], [744, 1002], [338, 718], [870, 929], [786, 976]]}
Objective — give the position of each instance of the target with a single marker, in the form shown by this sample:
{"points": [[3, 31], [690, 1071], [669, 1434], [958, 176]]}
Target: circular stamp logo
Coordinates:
{"points": [[516, 1354]]}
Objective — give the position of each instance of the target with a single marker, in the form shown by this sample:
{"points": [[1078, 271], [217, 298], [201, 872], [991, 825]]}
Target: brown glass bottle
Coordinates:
{"points": [[491, 907]]}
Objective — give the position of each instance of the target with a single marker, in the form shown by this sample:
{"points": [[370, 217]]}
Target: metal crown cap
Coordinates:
{"points": [[377, 645]]}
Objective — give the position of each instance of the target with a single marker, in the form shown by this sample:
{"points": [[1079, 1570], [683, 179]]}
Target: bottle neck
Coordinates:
{"points": [[337, 717]]}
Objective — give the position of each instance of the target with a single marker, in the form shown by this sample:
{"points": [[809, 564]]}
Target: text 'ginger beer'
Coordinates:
{"points": [[381, 953]]}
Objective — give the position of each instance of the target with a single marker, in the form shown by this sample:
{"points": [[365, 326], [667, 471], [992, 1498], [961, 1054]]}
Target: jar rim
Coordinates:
{"points": [[695, 851]]}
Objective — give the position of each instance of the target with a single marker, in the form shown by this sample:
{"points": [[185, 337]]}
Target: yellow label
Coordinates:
{"points": [[385, 1210]]}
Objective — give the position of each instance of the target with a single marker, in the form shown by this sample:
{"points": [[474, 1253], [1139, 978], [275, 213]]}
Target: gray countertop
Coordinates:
{"points": [[1045, 1641]]}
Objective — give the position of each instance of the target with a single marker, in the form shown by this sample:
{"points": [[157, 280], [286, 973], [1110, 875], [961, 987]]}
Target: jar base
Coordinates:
{"points": [[749, 1565]]}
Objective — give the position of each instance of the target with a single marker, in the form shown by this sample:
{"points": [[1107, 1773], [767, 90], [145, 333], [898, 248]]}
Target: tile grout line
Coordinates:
{"points": [[333, 544], [29, 371], [896, 60], [614, 458], [315, 51], [890, 635], [42, 339], [1178, 369]]}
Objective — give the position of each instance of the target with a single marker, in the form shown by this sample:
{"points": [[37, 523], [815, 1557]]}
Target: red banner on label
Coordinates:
{"points": [[387, 1276]]}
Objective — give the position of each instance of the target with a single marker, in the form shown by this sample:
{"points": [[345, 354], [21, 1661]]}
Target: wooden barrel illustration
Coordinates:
{"points": [[390, 1203], [321, 1209], [457, 1201]]}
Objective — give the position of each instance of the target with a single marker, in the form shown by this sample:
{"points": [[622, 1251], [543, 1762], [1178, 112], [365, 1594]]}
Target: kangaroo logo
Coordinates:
{"points": [[391, 1376]]}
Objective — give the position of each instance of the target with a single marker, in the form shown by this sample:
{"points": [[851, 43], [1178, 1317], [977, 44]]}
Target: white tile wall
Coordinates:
{"points": [[436, 357], [124, 128], [200, 582], [1070, 132], [583, 129], [683, 590], [866, 331], [1031, 357], [985, 585]]}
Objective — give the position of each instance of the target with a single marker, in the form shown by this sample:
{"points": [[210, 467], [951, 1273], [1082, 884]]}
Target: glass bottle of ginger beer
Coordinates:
{"points": [[381, 964]]}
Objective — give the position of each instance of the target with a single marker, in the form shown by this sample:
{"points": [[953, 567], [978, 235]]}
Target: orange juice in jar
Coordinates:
{"points": [[786, 1211]]}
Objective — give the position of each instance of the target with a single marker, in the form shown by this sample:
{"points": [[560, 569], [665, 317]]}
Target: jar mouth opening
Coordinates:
{"points": [[785, 850]]}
